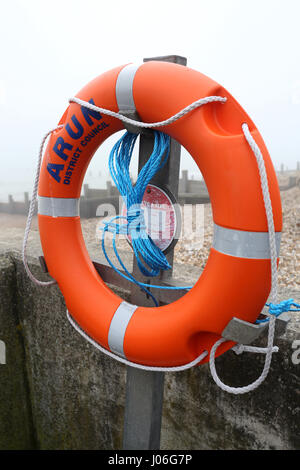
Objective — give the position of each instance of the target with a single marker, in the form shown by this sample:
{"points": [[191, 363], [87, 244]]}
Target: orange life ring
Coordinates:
{"points": [[237, 277]]}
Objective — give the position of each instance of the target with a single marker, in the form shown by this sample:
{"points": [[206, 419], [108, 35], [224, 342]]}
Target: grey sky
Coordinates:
{"points": [[49, 50]]}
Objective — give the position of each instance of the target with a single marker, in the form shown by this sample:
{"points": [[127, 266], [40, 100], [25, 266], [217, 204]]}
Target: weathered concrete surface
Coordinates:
{"points": [[77, 394], [205, 417], [16, 426]]}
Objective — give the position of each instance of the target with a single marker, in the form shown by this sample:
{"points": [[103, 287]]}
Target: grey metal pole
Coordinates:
{"points": [[144, 390]]}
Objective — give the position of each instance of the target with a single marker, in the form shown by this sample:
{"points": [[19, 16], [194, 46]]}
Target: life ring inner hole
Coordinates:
{"points": [[194, 232]]}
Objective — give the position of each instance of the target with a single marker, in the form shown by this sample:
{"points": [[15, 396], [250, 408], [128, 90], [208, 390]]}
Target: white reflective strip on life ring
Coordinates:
{"points": [[124, 86], [118, 327], [58, 206], [242, 244]]}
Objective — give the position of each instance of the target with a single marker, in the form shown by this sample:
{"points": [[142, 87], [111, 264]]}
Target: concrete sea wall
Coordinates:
{"points": [[58, 392]]}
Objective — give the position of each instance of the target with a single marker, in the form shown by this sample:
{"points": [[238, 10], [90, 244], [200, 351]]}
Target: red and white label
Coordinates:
{"points": [[160, 216]]}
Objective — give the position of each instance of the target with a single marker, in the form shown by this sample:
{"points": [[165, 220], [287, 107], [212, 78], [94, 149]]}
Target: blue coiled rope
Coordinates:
{"points": [[150, 259], [145, 250]]}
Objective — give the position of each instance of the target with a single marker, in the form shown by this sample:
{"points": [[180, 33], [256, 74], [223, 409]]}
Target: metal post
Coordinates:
{"points": [[144, 390]]}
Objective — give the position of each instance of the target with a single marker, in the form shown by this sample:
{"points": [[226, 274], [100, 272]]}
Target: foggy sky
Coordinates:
{"points": [[50, 50]]}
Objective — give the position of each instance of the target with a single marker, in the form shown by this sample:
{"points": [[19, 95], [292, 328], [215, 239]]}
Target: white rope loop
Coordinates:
{"points": [[239, 350], [273, 254]]}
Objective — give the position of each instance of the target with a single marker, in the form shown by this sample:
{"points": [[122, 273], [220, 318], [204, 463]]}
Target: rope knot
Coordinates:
{"points": [[136, 222], [115, 228], [283, 306]]}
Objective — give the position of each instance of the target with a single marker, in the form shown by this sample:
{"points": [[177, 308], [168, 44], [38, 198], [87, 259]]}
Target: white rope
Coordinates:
{"points": [[273, 254], [134, 364], [240, 348], [149, 125], [31, 213], [268, 208]]}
